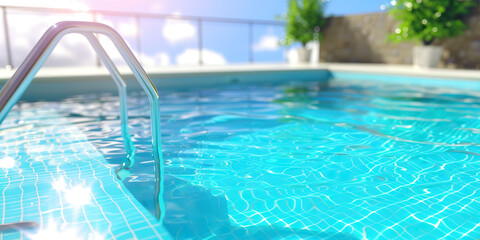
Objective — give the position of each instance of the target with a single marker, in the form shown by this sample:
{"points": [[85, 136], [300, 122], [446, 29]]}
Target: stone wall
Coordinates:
{"points": [[363, 39]]}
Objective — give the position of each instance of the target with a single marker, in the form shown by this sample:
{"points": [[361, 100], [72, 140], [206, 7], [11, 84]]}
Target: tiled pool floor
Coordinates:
{"points": [[347, 160], [52, 175]]}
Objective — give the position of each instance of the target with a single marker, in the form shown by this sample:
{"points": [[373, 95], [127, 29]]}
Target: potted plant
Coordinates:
{"points": [[304, 20], [426, 21]]}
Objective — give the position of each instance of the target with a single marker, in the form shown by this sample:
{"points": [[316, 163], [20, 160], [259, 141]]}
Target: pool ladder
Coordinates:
{"points": [[23, 76]]}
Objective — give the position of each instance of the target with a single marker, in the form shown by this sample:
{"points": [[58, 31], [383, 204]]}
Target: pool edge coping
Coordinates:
{"points": [[94, 73]]}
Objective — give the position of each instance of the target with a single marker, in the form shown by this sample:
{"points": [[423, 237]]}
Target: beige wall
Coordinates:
{"points": [[363, 38]]}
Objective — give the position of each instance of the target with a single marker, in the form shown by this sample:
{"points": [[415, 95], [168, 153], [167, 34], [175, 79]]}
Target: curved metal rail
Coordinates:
{"points": [[16, 86]]}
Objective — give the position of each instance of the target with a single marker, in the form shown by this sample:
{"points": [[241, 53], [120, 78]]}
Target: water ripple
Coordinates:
{"points": [[349, 159]]}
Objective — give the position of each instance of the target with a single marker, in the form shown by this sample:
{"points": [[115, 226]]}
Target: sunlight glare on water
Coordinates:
{"points": [[343, 160]]}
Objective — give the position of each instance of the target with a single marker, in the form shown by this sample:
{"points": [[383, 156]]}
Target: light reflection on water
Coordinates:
{"points": [[302, 160]]}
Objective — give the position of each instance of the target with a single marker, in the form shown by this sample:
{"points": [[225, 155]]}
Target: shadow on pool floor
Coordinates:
{"points": [[194, 213]]}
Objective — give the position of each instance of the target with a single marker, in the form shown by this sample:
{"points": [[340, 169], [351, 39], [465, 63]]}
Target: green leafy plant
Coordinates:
{"points": [[304, 19], [427, 20]]}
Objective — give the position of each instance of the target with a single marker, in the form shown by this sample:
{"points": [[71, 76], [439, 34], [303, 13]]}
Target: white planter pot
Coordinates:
{"points": [[315, 54], [304, 55], [427, 56]]}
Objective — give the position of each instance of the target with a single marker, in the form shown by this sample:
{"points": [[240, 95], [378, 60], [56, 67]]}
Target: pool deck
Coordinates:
{"points": [[86, 73]]}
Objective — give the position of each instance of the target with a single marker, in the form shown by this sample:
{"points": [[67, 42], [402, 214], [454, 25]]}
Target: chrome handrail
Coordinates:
{"points": [[21, 79]]}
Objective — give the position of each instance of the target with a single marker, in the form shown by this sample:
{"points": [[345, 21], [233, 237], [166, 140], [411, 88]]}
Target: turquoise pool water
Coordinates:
{"points": [[343, 159]]}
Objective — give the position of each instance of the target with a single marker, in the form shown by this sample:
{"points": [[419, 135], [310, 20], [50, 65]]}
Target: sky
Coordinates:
{"points": [[246, 9], [167, 42]]}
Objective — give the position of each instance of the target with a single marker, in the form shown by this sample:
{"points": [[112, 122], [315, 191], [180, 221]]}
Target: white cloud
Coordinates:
{"points": [[178, 30], [127, 29], [190, 56], [72, 50], [71, 4], [162, 59], [159, 59], [266, 43]]}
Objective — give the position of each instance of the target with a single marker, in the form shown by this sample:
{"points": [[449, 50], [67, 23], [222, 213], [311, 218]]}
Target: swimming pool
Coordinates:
{"points": [[354, 157]]}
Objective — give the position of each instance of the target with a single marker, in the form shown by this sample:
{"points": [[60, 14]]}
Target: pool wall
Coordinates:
{"points": [[412, 80], [51, 84], [54, 85]]}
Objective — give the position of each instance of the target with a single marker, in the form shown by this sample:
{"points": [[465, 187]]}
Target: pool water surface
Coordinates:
{"points": [[342, 159]]}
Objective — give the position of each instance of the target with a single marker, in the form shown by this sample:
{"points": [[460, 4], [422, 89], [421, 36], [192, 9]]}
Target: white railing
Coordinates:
{"points": [[200, 21]]}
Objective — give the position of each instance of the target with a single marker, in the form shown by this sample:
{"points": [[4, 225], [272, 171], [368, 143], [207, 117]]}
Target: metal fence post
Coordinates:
{"points": [[7, 39], [138, 16], [138, 38], [97, 58], [200, 42], [250, 42]]}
